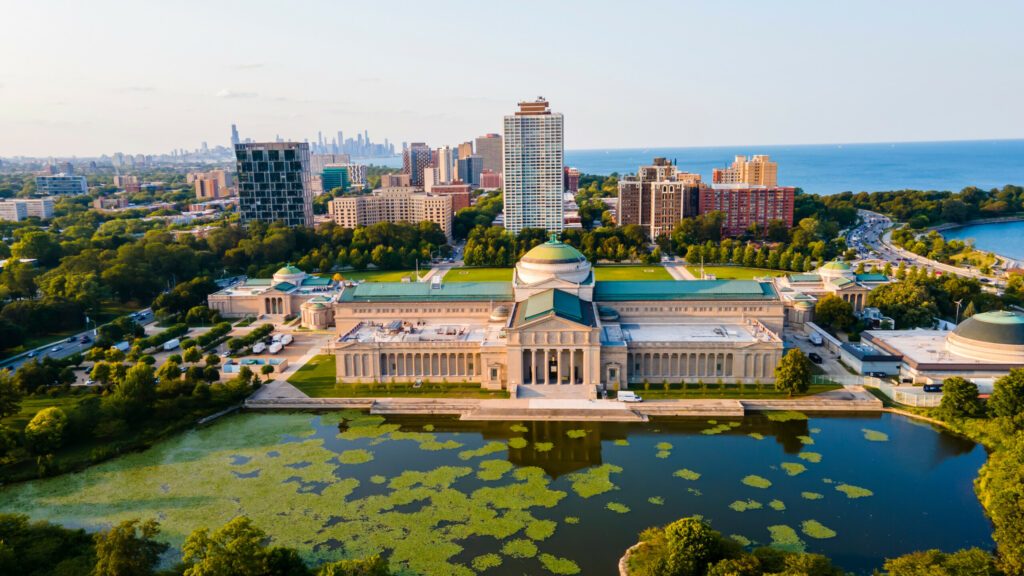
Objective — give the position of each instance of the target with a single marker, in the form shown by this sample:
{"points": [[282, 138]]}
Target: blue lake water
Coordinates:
{"points": [[1005, 238], [832, 168]]}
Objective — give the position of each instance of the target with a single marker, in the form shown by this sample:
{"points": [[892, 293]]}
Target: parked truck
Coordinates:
{"points": [[172, 344]]}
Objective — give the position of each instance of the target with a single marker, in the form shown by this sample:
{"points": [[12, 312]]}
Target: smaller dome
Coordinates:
{"points": [[607, 314], [316, 306], [288, 271], [500, 313], [835, 269], [553, 252], [836, 265]]}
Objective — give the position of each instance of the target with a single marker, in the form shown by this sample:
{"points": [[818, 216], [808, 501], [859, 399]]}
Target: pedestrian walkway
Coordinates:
{"points": [[678, 271]]}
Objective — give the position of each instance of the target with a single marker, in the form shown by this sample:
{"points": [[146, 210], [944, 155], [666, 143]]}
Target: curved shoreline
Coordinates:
{"points": [[982, 222]]}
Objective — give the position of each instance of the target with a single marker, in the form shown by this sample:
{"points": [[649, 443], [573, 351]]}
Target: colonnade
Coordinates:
{"points": [[678, 365], [555, 366], [410, 364], [273, 306]]}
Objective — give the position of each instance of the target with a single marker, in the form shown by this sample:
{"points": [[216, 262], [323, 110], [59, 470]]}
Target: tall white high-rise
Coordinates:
{"points": [[447, 167], [534, 155]]}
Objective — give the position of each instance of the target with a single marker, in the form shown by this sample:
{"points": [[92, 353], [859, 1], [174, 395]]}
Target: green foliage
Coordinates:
{"points": [[10, 394], [235, 549], [793, 374], [45, 432], [834, 312], [43, 549], [909, 303], [128, 549], [960, 399], [1007, 400], [969, 562], [371, 566]]}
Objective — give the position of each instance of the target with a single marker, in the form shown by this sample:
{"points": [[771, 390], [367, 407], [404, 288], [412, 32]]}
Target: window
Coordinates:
{"points": [[494, 373]]}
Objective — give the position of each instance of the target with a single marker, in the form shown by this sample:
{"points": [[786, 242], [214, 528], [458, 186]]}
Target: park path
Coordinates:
{"points": [[678, 271]]}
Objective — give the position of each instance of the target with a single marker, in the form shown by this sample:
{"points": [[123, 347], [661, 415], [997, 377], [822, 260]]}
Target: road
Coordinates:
{"points": [[64, 347]]}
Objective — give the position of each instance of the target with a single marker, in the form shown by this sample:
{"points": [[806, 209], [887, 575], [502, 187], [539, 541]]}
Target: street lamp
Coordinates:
{"points": [[958, 302]]}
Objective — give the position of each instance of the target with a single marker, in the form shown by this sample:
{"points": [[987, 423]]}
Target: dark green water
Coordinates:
{"points": [[333, 487]]}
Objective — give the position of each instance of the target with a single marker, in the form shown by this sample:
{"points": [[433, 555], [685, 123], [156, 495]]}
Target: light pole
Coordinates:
{"points": [[958, 302]]}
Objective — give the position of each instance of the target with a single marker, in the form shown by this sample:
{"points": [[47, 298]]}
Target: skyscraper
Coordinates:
{"points": [[533, 162], [470, 168], [465, 150], [759, 170], [658, 197], [488, 147], [447, 167], [274, 182], [234, 134], [414, 159]]}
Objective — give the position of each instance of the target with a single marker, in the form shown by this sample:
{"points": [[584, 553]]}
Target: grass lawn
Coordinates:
{"points": [[317, 378], [32, 404], [108, 311], [975, 258], [735, 272], [479, 275], [713, 390], [631, 272], [381, 275]]}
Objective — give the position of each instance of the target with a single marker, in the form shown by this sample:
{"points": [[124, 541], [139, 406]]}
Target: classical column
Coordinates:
{"points": [[572, 366]]}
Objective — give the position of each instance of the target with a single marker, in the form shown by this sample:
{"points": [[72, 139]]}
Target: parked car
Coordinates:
{"points": [[629, 396], [815, 339], [815, 358], [259, 348], [933, 387], [275, 348], [878, 375]]}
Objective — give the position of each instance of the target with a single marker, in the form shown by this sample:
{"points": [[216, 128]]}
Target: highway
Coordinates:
{"points": [[67, 346]]}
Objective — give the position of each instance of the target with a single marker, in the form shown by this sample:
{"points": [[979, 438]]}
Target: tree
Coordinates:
{"points": [[969, 562], [833, 311], [212, 360], [907, 302], [1007, 398], [235, 549], [960, 399], [793, 374], [45, 432], [267, 370], [372, 566], [10, 395], [128, 549], [193, 355], [137, 390], [692, 546]]}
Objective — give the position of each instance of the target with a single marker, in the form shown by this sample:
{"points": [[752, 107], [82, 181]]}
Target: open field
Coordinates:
{"points": [[735, 272], [479, 275], [380, 275], [631, 272], [317, 379], [32, 404]]}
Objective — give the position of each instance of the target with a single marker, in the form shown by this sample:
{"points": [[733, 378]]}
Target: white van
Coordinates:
{"points": [[815, 339], [629, 396]]}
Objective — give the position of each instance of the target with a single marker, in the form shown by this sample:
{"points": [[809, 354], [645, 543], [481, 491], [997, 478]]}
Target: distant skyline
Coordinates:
{"points": [[147, 77]]}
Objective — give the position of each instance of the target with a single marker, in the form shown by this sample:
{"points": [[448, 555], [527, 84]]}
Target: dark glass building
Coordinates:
{"points": [[274, 182]]}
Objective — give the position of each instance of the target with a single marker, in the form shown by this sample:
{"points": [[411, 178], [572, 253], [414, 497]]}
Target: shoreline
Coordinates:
{"points": [[982, 222]]}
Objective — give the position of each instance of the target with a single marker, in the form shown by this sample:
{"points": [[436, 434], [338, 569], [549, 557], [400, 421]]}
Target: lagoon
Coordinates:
{"points": [[441, 496], [1003, 238]]}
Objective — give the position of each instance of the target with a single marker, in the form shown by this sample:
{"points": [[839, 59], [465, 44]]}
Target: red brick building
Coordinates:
{"points": [[459, 192], [745, 205]]}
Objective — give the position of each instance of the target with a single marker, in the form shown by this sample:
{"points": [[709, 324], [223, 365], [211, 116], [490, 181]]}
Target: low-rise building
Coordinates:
{"points": [[460, 193], [15, 209], [745, 206], [404, 204], [490, 180], [282, 295], [213, 184], [658, 197], [801, 291], [395, 180]]}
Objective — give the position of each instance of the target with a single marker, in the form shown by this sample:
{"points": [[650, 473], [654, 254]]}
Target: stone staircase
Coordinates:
{"points": [[556, 392]]}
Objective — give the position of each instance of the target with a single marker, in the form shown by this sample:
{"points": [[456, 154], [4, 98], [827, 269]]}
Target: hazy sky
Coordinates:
{"points": [[99, 76]]}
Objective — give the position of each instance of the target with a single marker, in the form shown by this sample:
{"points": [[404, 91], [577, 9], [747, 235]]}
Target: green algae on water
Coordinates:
{"points": [[557, 565], [793, 468], [428, 427], [812, 457], [756, 481], [355, 456], [811, 496], [519, 428], [575, 434], [777, 505], [540, 529], [543, 446], [663, 454], [656, 500], [378, 479], [517, 443], [621, 442], [741, 540], [744, 505], [663, 446], [686, 474], [786, 416], [853, 492], [486, 561], [489, 448], [617, 507], [493, 469], [595, 480], [756, 435], [874, 435], [572, 520], [519, 548], [785, 538], [805, 440], [815, 529]]}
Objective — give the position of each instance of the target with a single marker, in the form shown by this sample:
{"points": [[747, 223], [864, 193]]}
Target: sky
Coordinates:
{"points": [[144, 76]]}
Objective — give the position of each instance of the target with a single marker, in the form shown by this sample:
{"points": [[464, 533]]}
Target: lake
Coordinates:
{"points": [[1003, 238], [451, 497]]}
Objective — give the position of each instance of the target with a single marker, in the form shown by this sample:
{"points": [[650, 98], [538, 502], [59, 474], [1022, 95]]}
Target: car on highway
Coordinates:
{"points": [[85, 339], [31, 354], [70, 339], [56, 349], [815, 357]]}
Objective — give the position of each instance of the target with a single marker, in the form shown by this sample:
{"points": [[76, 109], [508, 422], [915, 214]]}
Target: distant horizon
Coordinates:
{"points": [[596, 149]]}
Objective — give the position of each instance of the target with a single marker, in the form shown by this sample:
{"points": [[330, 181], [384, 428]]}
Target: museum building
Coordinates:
{"points": [[557, 331]]}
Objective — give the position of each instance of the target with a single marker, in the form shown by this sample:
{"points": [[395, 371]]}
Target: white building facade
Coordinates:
{"points": [[534, 155]]}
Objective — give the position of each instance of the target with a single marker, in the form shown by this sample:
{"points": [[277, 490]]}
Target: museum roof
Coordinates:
{"points": [[553, 252], [1000, 327], [836, 265], [683, 290], [556, 303], [872, 277], [427, 292], [804, 278], [287, 270]]}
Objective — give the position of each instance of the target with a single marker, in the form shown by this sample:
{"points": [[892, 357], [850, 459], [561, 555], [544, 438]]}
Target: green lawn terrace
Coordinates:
{"points": [[602, 273], [378, 275], [735, 272], [318, 379]]}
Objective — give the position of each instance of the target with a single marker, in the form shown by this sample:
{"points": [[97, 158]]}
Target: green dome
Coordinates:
{"points": [[288, 270], [1001, 327], [553, 252], [836, 265]]}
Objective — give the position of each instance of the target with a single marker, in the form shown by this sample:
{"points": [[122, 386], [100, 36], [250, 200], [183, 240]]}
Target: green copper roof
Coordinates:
{"points": [[424, 292], [804, 278], [836, 265], [683, 290], [1001, 327], [552, 252], [289, 269], [840, 282], [872, 277], [316, 281], [284, 286], [561, 303]]}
